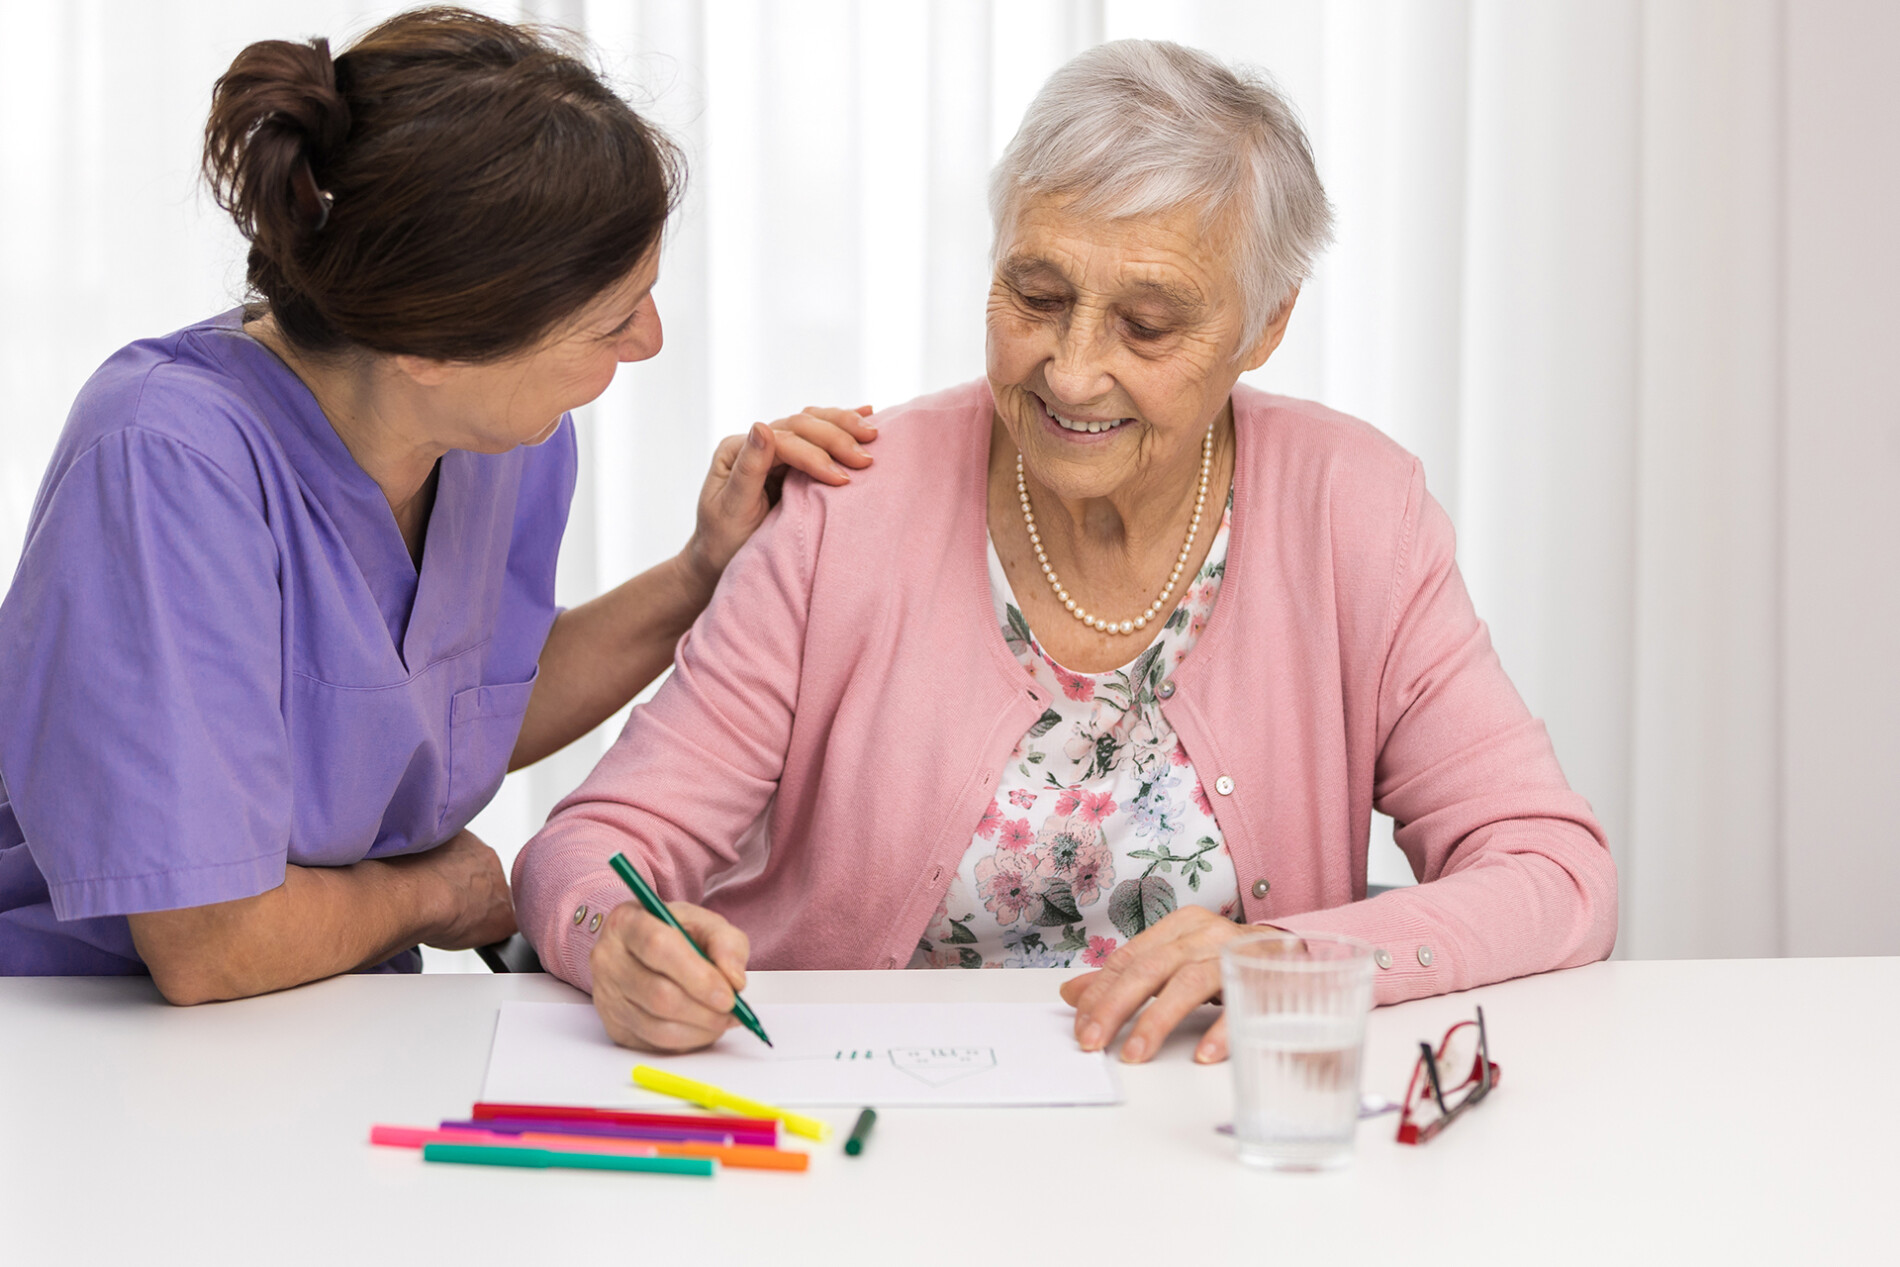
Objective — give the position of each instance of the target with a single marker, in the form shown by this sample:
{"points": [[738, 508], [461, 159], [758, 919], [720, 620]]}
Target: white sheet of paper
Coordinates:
{"points": [[886, 1054]]}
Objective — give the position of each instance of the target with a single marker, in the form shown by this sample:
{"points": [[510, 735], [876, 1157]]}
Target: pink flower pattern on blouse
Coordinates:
{"points": [[1127, 833], [1016, 835]]}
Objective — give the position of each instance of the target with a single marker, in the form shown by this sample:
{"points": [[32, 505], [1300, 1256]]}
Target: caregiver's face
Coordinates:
{"points": [[520, 399], [1112, 344]]}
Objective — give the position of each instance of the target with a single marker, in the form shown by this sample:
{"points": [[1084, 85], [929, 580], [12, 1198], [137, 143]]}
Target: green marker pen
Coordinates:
{"points": [[860, 1131], [657, 909]]}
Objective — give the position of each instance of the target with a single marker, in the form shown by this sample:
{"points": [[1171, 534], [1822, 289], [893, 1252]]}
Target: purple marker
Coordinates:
{"points": [[609, 1130]]}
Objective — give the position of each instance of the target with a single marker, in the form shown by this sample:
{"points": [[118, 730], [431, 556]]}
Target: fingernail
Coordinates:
{"points": [[1091, 1036], [840, 472], [857, 448], [1133, 1050], [755, 438], [1203, 1053]]}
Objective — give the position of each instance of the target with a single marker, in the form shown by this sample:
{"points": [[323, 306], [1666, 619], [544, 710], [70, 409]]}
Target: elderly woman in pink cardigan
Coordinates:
{"points": [[1106, 659]]}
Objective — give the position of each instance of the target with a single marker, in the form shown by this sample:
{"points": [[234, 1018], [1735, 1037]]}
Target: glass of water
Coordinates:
{"points": [[1296, 1023]]}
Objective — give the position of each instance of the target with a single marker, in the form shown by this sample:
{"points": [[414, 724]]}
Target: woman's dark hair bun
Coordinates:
{"points": [[275, 110], [450, 185]]}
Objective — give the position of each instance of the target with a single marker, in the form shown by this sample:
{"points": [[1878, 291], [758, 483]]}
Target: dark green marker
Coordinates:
{"points": [[860, 1132], [657, 909]]}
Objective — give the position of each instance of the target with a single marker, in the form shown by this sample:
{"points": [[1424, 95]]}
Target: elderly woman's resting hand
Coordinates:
{"points": [[748, 470], [1177, 964], [653, 991]]}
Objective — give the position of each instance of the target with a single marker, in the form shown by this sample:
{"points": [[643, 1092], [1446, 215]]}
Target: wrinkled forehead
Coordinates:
{"points": [[1169, 258]]}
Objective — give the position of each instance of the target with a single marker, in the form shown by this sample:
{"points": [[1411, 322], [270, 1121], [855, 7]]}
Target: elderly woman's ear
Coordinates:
{"points": [[1270, 337]]}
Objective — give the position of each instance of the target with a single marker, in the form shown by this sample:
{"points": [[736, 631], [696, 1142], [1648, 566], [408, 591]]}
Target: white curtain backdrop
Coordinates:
{"points": [[1557, 278]]}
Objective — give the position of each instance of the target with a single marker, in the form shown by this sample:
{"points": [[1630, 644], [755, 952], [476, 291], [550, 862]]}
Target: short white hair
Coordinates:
{"points": [[1140, 127]]}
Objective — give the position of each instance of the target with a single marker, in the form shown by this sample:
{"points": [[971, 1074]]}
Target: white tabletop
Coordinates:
{"points": [[1736, 1111]]}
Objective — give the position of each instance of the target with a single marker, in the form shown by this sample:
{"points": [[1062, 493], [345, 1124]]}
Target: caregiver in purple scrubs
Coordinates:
{"points": [[286, 612]]}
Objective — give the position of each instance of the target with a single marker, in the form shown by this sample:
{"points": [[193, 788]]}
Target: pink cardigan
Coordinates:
{"points": [[1343, 669]]}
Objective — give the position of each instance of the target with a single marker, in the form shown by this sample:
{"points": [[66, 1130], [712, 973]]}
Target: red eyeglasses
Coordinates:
{"points": [[1448, 1081]]}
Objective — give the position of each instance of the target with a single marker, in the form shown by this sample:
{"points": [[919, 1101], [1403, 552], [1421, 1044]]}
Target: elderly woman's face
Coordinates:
{"points": [[1112, 345]]}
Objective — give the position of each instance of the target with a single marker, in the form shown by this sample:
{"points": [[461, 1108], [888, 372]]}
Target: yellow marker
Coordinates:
{"points": [[708, 1096]]}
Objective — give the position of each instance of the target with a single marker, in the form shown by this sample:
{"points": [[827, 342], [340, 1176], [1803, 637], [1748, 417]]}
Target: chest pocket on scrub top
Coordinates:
{"points": [[484, 722]]}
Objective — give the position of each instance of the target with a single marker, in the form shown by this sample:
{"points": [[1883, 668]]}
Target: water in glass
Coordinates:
{"points": [[1296, 1084]]}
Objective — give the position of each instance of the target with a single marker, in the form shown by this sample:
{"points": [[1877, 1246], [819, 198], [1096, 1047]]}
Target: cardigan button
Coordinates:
{"points": [[593, 925], [1382, 957], [1165, 690], [1261, 886], [1224, 785], [1425, 956], [580, 913]]}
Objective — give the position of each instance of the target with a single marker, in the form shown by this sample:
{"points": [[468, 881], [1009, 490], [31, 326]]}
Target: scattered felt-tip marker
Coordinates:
{"points": [[860, 1131]]}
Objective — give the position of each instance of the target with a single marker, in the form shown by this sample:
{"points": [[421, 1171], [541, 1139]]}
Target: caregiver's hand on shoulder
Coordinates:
{"points": [[1177, 964], [470, 893], [653, 991], [748, 470]]}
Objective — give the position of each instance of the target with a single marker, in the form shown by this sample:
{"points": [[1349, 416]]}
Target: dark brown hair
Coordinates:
{"points": [[484, 185]]}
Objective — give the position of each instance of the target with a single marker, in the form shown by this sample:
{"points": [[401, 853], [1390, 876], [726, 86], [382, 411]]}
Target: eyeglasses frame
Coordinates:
{"points": [[1488, 1073]]}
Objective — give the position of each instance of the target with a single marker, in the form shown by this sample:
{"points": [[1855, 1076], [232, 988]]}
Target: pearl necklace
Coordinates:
{"points": [[1174, 577]]}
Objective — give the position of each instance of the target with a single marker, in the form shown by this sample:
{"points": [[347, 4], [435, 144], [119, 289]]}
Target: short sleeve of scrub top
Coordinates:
{"points": [[217, 658]]}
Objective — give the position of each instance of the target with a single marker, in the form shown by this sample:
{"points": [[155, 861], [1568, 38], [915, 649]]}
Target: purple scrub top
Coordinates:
{"points": [[216, 657]]}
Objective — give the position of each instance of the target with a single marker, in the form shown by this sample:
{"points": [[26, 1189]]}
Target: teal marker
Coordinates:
{"points": [[657, 909], [550, 1158]]}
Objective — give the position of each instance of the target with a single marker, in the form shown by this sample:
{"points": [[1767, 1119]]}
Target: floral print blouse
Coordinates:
{"points": [[1100, 826]]}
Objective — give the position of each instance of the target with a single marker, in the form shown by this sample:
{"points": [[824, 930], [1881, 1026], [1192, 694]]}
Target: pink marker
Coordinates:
{"points": [[417, 1136]]}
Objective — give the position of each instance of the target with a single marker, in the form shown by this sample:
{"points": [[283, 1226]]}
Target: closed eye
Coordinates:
{"points": [[632, 317]]}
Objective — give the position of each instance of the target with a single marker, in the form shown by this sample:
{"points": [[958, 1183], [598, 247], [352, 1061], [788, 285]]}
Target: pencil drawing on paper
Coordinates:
{"points": [[935, 1066]]}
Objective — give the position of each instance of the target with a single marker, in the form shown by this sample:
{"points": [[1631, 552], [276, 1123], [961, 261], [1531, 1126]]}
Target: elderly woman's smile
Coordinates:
{"points": [[1080, 425]]}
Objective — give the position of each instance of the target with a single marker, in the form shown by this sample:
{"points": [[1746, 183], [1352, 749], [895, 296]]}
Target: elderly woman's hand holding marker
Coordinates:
{"points": [[653, 991], [649, 990], [1109, 660]]}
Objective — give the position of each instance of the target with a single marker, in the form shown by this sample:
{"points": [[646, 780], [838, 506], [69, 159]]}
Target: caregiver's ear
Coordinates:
{"points": [[424, 371]]}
